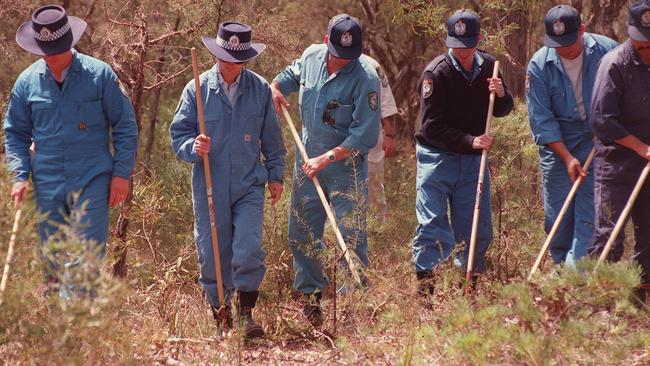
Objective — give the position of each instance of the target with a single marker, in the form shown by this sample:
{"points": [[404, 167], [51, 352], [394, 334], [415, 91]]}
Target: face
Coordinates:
{"points": [[334, 61], [572, 51], [642, 48], [58, 62], [464, 55], [230, 69]]}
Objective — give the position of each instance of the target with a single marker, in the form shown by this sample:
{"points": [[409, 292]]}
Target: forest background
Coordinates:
{"points": [[150, 307]]}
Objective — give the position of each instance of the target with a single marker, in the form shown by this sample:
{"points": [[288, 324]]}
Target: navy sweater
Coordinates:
{"points": [[455, 110]]}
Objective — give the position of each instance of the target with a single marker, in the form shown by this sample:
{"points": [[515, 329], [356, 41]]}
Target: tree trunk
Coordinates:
{"points": [[155, 104]]}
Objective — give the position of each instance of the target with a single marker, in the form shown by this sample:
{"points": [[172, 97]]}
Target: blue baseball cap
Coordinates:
{"points": [[562, 25], [344, 36], [463, 29], [638, 21]]}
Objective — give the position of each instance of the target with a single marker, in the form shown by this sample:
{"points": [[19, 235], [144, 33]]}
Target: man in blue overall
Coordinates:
{"points": [[71, 107], [559, 85], [620, 119], [454, 97], [241, 125], [340, 111]]}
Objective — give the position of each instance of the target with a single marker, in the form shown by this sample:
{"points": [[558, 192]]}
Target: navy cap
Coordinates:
{"points": [[562, 25], [638, 22], [463, 29], [344, 36]]}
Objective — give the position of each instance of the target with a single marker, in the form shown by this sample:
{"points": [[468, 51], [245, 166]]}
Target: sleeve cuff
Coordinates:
{"points": [[548, 138]]}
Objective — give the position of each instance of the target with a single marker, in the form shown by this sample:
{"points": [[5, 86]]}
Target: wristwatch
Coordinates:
{"points": [[331, 156]]}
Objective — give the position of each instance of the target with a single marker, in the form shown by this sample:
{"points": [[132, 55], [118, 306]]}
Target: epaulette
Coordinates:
{"points": [[436, 62]]}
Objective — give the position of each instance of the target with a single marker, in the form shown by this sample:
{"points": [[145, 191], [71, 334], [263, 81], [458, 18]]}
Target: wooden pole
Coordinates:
{"points": [[623, 218], [560, 216], [208, 185], [10, 253], [479, 190], [328, 210]]}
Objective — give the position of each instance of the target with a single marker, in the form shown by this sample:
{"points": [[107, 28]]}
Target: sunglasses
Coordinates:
{"points": [[327, 115]]}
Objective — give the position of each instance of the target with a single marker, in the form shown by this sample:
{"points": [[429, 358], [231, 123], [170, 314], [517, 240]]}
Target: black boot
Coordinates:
{"points": [[426, 281], [311, 308], [247, 300]]}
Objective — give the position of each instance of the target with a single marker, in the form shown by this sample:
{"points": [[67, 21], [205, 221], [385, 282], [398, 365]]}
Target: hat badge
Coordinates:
{"points": [[46, 34], [558, 27], [233, 41], [645, 18], [346, 39], [460, 28]]}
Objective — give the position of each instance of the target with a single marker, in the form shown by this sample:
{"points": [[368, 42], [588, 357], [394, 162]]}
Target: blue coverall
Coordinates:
{"points": [[71, 128], [342, 109], [553, 115], [239, 133]]}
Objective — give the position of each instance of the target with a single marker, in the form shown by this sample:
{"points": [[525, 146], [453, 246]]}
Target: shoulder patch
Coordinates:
{"points": [[373, 103], [427, 88]]}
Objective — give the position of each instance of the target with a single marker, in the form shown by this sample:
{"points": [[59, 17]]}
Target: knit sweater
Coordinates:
{"points": [[453, 110]]}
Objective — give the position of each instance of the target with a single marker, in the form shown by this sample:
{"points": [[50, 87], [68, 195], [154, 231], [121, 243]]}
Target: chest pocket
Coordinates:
{"points": [[43, 117], [306, 98], [91, 116], [249, 140], [343, 115], [560, 104]]}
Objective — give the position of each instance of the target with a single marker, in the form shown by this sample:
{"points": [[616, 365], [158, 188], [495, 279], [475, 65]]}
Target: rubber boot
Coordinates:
{"points": [[247, 300], [311, 308]]}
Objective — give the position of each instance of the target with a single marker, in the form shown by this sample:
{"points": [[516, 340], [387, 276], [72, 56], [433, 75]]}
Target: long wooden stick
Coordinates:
{"points": [[479, 190], [10, 253], [560, 216], [208, 185], [623, 218], [323, 199]]}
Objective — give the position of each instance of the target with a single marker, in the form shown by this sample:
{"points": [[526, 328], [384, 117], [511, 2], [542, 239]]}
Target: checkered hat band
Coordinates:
{"points": [[55, 35], [244, 46]]}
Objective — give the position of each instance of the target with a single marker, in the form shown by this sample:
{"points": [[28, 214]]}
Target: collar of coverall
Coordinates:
{"points": [[213, 78], [74, 66], [590, 44], [345, 69]]}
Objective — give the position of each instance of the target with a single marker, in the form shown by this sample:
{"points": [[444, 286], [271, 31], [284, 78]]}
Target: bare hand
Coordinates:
{"points": [[19, 192], [119, 191], [483, 142], [389, 145], [314, 165], [278, 97], [202, 145], [496, 85], [275, 189], [574, 169]]}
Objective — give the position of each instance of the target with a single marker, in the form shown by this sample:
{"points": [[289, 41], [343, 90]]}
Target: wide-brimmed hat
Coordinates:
{"points": [[50, 32], [638, 22], [463, 29], [233, 43], [562, 25], [345, 37]]}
